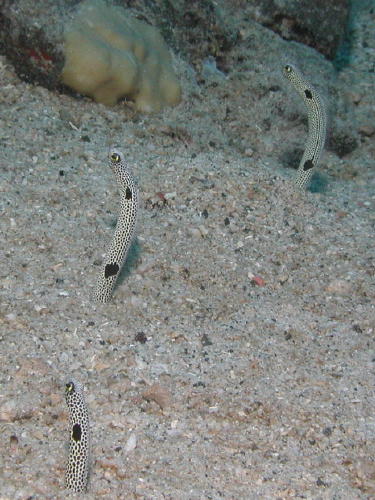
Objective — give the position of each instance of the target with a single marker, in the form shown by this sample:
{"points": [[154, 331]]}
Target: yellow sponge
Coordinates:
{"points": [[109, 55]]}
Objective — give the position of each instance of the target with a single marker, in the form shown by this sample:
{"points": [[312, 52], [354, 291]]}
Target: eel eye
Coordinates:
{"points": [[288, 68], [69, 387], [115, 158]]}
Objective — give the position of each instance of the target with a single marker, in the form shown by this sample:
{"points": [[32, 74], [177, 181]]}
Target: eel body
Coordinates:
{"points": [[317, 120], [79, 438], [125, 227]]}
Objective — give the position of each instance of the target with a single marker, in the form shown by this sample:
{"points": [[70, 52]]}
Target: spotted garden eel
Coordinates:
{"points": [[78, 461], [124, 231], [316, 115]]}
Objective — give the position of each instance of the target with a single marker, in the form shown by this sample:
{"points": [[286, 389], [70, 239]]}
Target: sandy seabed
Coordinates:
{"points": [[237, 357]]}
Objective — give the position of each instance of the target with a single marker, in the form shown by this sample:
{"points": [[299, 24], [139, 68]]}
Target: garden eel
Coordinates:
{"points": [[122, 238], [316, 115], [78, 461]]}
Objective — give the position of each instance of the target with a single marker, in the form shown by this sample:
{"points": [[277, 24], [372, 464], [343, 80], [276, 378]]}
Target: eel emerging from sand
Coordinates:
{"points": [[79, 444], [316, 114], [125, 227]]}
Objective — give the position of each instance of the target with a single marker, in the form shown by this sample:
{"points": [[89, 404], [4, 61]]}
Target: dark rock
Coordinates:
{"points": [[198, 29], [342, 143], [319, 24], [31, 37], [141, 338]]}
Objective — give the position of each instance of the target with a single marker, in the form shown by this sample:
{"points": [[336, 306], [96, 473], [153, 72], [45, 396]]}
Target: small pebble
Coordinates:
{"points": [[159, 394], [141, 338], [203, 230], [257, 280], [131, 443], [8, 411], [170, 196], [339, 287]]}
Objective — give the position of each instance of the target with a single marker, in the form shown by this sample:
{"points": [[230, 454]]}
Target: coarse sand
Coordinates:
{"points": [[236, 359]]}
